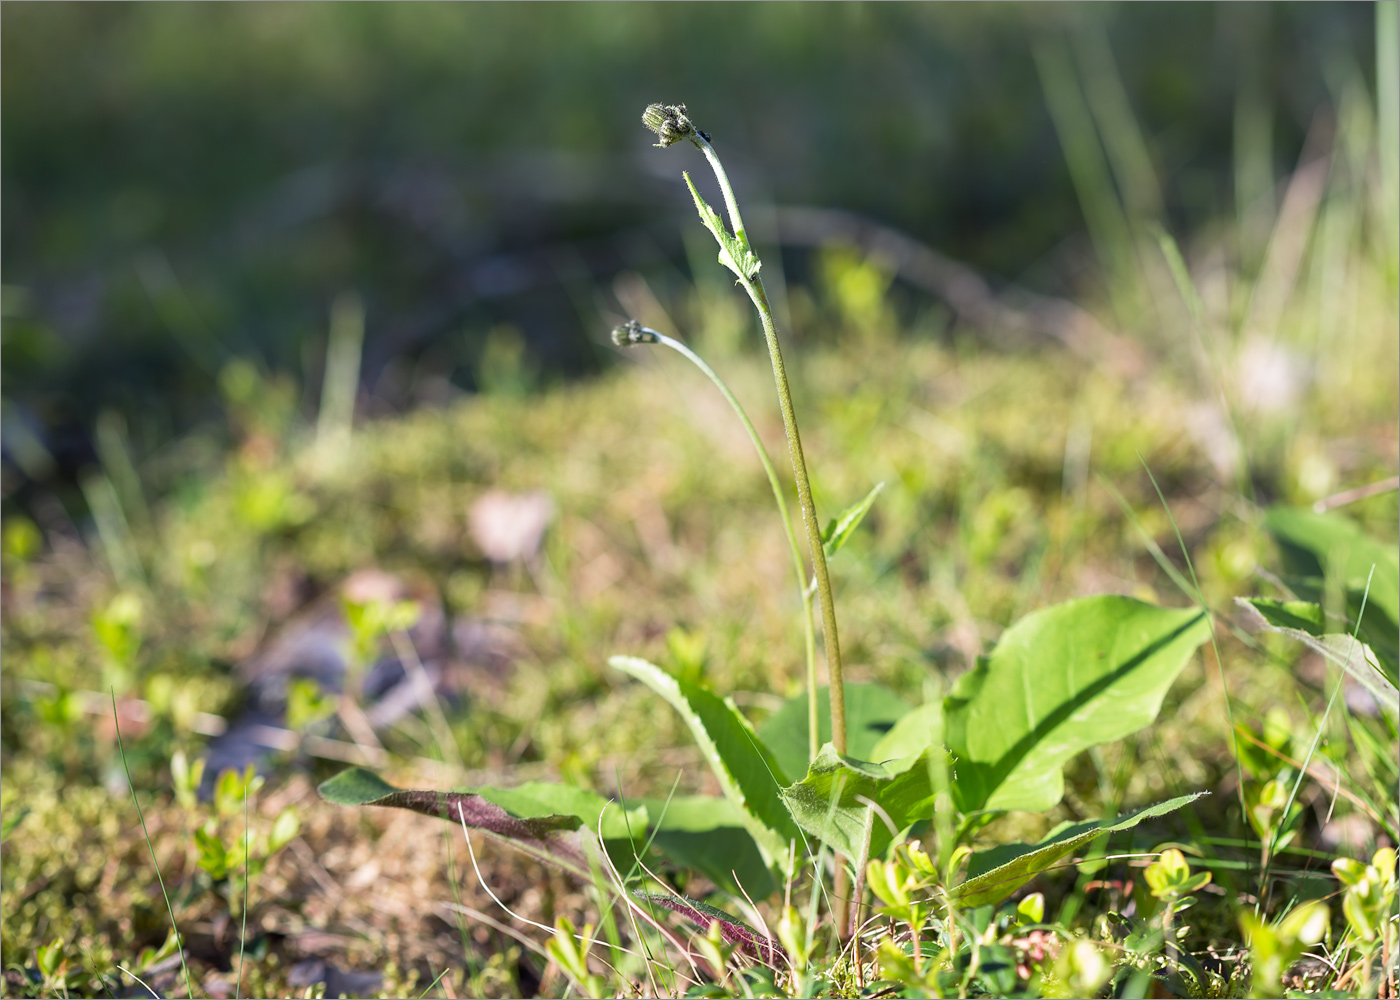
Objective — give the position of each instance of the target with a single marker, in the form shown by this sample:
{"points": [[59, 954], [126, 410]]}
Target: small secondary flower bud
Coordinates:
{"points": [[670, 124], [632, 333]]}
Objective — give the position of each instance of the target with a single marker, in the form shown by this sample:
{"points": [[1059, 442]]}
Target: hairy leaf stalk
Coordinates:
{"points": [[809, 517]]}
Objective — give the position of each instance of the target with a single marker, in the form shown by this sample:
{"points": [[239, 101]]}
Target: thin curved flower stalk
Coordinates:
{"points": [[671, 125], [632, 334]]}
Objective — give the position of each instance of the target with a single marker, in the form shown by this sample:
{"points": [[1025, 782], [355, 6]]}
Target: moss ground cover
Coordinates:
{"points": [[982, 519]]}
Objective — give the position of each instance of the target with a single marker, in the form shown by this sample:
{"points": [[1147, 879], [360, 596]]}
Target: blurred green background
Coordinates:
{"points": [[187, 185]]}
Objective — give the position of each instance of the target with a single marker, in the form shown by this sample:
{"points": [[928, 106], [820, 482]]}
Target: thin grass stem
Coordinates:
{"points": [[121, 751], [1317, 738], [243, 934], [432, 984], [1195, 594]]}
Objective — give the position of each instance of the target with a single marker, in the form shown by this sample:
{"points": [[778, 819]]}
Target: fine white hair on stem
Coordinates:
{"points": [[471, 853], [143, 983], [634, 907]]}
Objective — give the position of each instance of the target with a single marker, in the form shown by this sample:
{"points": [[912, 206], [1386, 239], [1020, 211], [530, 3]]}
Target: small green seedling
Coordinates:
{"points": [[118, 630], [1369, 900], [370, 621], [52, 960], [1369, 904], [1171, 883], [716, 951], [572, 958], [798, 941], [1081, 971], [230, 853], [308, 703], [1031, 909], [1170, 879], [186, 778], [903, 887], [1271, 813], [1274, 947]]}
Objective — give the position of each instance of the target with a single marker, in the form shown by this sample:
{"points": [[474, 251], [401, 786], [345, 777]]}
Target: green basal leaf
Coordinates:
{"points": [[749, 775], [994, 874], [542, 820], [833, 801], [552, 822], [872, 710], [840, 529], [733, 254], [1316, 546], [1061, 680], [707, 834], [1297, 616], [1308, 624], [536, 799], [356, 787], [911, 735], [1311, 542]]}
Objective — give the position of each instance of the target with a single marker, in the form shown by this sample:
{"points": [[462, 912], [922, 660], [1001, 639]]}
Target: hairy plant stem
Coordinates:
{"points": [[808, 634], [754, 286]]}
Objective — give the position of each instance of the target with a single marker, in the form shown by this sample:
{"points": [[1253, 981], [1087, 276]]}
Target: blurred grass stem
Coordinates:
{"points": [[342, 375]]}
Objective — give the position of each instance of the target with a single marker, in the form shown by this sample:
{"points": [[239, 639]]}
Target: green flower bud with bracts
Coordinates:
{"points": [[632, 333], [670, 124]]}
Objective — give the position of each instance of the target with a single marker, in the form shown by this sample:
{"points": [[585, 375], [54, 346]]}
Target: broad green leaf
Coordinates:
{"points": [[839, 529], [911, 735], [541, 820], [994, 874], [1310, 542], [545, 820], [540, 798], [1310, 625], [1295, 616], [1315, 546], [871, 711], [1061, 680], [733, 254], [832, 802], [707, 834], [748, 773]]}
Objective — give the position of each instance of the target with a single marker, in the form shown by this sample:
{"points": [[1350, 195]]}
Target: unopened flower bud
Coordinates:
{"points": [[632, 333], [670, 123]]}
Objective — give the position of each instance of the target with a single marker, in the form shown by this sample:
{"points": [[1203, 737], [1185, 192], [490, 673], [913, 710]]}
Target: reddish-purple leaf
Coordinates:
{"points": [[735, 931]]}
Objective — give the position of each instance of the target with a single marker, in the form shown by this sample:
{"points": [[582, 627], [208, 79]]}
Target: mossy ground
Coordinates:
{"points": [[1000, 471]]}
